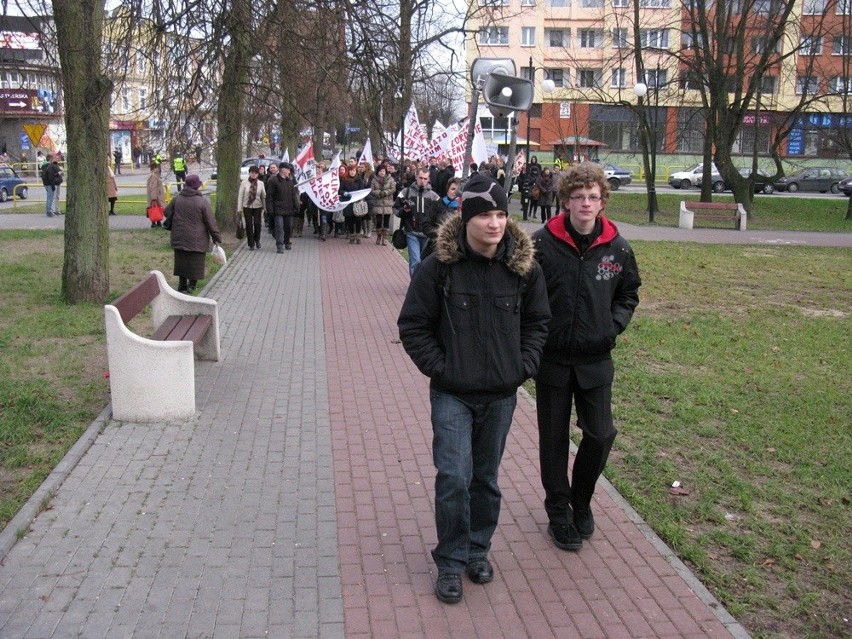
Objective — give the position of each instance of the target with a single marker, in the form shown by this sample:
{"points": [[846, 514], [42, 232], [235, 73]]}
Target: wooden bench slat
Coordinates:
{"points": [[179, 331], [165, 329], [137, 298], [723, 206], [199, 328]]}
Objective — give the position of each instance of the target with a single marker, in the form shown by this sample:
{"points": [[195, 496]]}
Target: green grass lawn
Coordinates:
{"points": [[733, 379]]}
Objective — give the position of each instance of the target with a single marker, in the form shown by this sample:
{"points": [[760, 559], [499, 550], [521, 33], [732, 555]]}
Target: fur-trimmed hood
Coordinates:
{"points": [[516, 250]]}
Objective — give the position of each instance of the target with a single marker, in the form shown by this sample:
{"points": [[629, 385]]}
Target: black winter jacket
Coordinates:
{"points": [[592, 296], [476, 326], [282, 196]]}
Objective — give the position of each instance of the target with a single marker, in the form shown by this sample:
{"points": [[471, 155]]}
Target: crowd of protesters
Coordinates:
{"points": [[420, 194]]}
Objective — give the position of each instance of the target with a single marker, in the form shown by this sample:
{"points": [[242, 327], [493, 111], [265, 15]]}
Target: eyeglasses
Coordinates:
{"points": [[589, 198]]}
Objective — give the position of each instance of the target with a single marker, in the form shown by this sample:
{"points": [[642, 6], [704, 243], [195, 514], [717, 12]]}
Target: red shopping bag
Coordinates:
{"points": [[155, 213]]}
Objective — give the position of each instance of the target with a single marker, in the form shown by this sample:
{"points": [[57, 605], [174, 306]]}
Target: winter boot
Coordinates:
{"points": [[368, 228]]}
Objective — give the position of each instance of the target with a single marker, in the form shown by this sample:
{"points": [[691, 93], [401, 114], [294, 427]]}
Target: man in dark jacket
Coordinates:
{"points": [[593, 286], [414, 208], [282, 197], [51, 177], [445, 172], [474, 321]]}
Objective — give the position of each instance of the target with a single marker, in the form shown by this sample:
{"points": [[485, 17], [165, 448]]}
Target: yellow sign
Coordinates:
{"points": [[34, 132]]}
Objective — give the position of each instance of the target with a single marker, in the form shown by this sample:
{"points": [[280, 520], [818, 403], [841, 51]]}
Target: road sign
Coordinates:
{"points": [[25, 142], [34, 132]]}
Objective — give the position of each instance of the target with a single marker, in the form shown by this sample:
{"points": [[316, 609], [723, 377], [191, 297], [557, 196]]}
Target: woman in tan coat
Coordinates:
{"points": [[382, 192], [156, 191]]}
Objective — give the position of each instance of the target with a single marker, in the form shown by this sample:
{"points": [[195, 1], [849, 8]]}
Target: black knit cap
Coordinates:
{"points": [[481, 194]]}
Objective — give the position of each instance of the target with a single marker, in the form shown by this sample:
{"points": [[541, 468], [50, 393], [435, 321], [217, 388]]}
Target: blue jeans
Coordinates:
{"points": [[415, 249], [467, 445], [48, 203]]}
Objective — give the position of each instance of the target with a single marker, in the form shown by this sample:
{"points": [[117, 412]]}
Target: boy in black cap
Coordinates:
{"points": [[474, 321]]}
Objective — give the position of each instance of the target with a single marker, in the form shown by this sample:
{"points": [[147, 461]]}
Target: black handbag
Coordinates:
{"points": [[398, 239]]}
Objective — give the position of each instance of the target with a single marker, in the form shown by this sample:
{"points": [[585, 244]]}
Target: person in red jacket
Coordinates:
{"points": [[593, 288]]}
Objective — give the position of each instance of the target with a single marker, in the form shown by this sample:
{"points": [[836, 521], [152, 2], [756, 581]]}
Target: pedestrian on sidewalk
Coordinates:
{"points": [[474, 321], [51, 177], [190, 219], [155, 190], [593, 284], [282, 198], [112, 190], [251, 200], [414, 208]]}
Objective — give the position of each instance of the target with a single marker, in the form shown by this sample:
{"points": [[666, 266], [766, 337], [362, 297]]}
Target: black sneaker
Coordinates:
{"points": [[479, 571], [584, 521], [565, 536], [448, 588]]}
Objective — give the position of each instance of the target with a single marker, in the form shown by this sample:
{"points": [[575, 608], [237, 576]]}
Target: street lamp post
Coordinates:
{"points": [[648, 142], [547, 86]]}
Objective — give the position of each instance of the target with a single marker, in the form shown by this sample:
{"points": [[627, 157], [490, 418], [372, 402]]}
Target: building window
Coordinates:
{"points": [[526, 73], [559, 38], [656, 4], [764, 7], [842, 45], [141, 62], [535, 110], [844, 7], [619, 78], [806, 84], [691, 80], [760, 44], [125, 100], [143, 99], [557, 75], [589, 78], [557, 4], [691, 40], [769, 85], [494, 36], [811, 45], [527, 3], [814, 7], [527, 36], [619, 38], [690, 131], [840, 85], [493, 3], [654, 38], [655, 78], [591, 38], [620, 4], [591, 4]]}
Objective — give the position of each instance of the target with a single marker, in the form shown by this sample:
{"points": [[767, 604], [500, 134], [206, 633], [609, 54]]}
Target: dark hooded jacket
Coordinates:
{"points": [[190, 218], [592, 296], [476, 326]]}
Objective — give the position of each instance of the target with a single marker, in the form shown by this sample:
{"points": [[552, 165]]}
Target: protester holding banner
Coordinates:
{"points": [[354, 223]]}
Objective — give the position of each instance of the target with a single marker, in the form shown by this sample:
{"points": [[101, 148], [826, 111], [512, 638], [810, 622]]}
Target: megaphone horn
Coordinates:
{"points": [[506, 93]]}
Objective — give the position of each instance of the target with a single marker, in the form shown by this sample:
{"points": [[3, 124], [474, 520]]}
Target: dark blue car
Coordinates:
{"points": [[9, 179]]}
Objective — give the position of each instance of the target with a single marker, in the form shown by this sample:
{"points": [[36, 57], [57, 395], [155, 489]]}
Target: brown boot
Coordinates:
{"points": [[384, 237], [379, 236]]}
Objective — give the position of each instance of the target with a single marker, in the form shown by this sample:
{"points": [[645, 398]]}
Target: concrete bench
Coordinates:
{"points": [[153, 379], [733, 211]]}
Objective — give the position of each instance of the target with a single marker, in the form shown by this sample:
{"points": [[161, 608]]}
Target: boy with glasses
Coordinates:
{"points": [[593, 286]]}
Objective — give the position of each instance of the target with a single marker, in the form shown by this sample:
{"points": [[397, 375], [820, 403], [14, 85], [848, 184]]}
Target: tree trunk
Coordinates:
{"points": [[86, 93], [230, 112]]}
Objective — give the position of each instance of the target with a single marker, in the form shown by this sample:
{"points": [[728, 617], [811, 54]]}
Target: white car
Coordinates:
{"points": [[692, 177]]}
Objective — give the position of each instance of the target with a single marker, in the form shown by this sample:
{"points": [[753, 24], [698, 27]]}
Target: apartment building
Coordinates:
{"points": [[587, 49]]}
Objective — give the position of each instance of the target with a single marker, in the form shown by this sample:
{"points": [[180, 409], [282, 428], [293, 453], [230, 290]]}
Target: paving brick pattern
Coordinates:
{"points": [[298, 503]]}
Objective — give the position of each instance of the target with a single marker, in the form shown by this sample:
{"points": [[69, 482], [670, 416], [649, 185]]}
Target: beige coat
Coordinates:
{"points": [[156, 190], [243, 195]]}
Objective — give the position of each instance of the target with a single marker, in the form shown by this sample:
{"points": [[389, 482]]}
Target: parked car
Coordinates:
{"points": [[845, 186], [816, 178], [9, 179], [692, 177], [616, 176], [762, 184]]}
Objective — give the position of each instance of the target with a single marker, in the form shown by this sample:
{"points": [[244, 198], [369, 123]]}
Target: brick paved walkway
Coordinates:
{"points": [[299, 502]]}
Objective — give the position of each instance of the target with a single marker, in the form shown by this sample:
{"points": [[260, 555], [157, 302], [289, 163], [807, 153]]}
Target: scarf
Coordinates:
{"points": [[252, 196]]}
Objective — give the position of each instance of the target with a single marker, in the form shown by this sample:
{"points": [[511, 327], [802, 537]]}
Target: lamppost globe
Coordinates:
{"points": [[641, 89], [548, 85]]}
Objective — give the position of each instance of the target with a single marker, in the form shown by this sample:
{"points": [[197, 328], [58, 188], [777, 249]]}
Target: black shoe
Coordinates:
{"points": [[584, 521], [288, 246], [111, 213], [448, 588], [258, 246], [479, 571], [565, 536], [280, 249]]}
